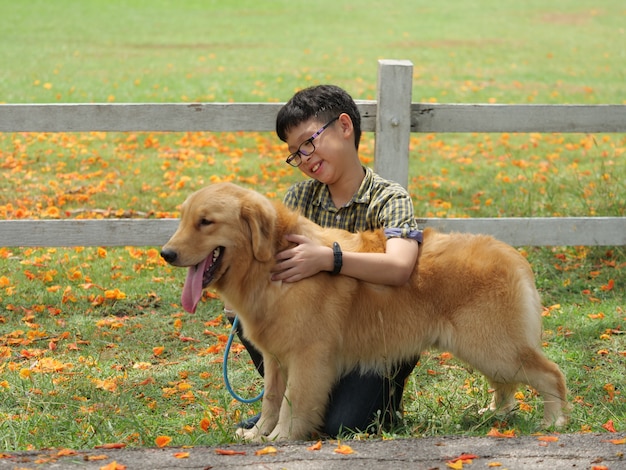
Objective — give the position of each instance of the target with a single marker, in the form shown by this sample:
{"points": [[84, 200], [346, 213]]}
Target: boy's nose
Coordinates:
{"points": [[305, 158]]}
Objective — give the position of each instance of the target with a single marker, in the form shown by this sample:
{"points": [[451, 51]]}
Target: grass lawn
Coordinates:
{"points": [[94, 345]]}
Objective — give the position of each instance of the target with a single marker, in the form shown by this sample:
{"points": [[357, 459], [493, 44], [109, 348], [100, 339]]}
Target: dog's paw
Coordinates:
{"points": [[498, 410], [253, 434], [555, 423]]}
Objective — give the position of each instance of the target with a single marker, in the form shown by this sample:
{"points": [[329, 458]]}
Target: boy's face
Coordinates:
{"points": [[330, 147]]}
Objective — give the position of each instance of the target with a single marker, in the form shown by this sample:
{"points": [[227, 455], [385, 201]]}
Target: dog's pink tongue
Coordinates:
{"points": [[192, 290]]}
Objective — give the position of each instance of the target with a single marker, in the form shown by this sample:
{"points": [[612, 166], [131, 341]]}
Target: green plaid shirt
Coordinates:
{"points": [[379, 203]]}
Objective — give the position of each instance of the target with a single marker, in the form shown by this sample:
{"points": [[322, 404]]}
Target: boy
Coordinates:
{"points": [[322, 128]]}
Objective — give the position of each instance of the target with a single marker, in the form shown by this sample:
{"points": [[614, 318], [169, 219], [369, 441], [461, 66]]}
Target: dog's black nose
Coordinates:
{"points": [[169, 255]]}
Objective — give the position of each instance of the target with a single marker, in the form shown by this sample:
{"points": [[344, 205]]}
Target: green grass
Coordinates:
{"points": [[79, 327]]}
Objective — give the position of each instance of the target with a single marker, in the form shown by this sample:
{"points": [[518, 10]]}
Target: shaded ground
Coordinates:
{"points": [[572, 451]]}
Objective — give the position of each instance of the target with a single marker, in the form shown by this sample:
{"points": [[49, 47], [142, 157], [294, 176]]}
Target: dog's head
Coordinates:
{"points": [[220, 225]]}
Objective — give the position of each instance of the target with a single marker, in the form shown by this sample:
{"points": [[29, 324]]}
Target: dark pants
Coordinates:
{"points": [[358, 402]]}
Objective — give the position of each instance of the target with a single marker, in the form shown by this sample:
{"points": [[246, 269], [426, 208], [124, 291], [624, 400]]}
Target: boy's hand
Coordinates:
{"points": [[305, 259]]}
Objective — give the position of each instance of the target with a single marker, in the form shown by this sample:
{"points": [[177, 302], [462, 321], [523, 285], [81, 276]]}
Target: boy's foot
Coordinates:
{"points": [[250, 422]]}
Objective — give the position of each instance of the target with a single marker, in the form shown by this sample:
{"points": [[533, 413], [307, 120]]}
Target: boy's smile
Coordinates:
{"points": [[307, 142], [327, 154]]}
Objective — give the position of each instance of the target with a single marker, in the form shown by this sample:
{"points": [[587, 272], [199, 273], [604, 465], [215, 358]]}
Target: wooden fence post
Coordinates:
{"points": [[393, 120]]}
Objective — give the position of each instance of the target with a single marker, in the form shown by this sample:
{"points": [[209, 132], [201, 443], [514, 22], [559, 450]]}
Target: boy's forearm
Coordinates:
{"points": [[390, 268]]}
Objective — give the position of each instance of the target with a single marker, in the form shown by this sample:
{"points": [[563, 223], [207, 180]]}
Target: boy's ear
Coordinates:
{"points": [[347, 127]]}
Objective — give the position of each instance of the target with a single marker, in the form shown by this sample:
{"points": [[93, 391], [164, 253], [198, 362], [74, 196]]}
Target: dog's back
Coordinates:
{"points": [[466, 290]]}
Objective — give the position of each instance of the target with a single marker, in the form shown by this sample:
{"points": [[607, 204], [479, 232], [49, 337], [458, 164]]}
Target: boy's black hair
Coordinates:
{"points": [[322, 102]]}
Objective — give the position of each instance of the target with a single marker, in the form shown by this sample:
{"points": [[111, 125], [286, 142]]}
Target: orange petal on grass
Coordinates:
{"points": [[266, 450], [506, 434], [188, 339], [609, 426], [608, 286], [205, 423], [316, 446], [162, 441]]}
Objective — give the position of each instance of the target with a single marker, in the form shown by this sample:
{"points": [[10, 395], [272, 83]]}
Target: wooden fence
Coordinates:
{"points": [[393, 116]]}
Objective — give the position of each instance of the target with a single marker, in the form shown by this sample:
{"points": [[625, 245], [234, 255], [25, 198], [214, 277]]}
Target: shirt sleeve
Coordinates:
{"points": [[398, 218]]}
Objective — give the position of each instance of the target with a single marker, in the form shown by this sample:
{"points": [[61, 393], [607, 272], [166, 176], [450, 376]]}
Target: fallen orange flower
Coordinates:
{"points": [[617, 442], [181, 455], [148, 381], [162, 441], [609, 426], [114, 294], [188, 339], [93, 458], [506, 434], [204, 424], [66, 452], [112, 445], [266, 450], [229, 452], [113, 466], [455, 465], [464, 457], [610, 390], [343, 449], [548, 438], [609, 286], [316, 446]]}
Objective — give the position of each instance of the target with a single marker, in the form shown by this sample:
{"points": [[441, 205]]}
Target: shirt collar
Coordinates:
{"points": [[362, 196]]}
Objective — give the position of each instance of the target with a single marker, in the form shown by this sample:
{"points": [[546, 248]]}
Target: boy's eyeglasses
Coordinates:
{"points": [[307, 147]]}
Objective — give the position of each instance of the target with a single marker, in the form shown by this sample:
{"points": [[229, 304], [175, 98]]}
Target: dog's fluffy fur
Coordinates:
{"points": [[471, 295]]}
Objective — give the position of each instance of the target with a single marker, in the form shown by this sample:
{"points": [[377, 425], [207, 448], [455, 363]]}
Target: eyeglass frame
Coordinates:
{"points": [[297, 155]]}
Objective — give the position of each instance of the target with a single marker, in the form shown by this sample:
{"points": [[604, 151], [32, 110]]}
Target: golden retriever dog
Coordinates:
{"points": [[471, 295]]}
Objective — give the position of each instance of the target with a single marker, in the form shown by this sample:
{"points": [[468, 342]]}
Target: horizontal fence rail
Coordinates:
{"points": [[260, 117], [531, 231], [393, 116]]}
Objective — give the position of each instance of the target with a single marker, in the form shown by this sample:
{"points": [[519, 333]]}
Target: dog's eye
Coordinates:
{"points": [[204, 221]]}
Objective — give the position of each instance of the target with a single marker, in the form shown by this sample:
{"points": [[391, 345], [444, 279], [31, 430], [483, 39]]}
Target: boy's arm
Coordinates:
{"points": [[394, 267], [307, 258]]}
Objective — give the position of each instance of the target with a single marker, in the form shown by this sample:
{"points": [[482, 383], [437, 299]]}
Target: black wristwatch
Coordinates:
{"points": [[338, 259]]}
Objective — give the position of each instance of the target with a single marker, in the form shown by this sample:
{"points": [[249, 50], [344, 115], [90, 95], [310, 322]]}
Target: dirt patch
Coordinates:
{"points": [[449, 43], [579, 18]]}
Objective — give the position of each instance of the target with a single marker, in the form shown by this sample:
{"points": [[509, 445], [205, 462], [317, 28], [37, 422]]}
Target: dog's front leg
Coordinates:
{"points": [[274, 383], [309, 382]]}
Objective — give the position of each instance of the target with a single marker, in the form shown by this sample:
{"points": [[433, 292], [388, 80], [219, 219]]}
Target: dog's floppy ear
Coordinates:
{"points": [[260, 216]]}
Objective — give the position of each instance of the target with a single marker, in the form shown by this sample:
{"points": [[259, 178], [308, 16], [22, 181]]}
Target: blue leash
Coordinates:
{"points": [[229, 343]]}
